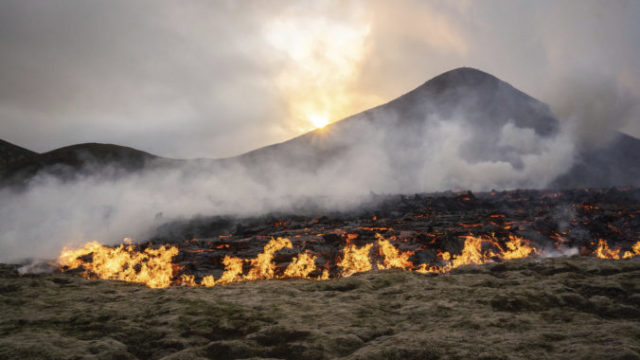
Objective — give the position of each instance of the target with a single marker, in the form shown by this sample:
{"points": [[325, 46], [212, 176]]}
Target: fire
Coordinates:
{"points": [[301, 266], [393, 258], [188, 280], [208, 281], [232, 270], [151, 267], [355, 260], [603, 251], [154, 267], [473, 253], [517, 248], [263, 267], [635, 251]]}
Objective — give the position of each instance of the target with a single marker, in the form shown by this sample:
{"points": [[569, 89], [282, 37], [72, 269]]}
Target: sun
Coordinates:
{"points": [[318, 120]]}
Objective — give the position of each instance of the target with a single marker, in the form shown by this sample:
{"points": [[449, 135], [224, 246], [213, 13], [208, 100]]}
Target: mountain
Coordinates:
{"points": [[483, 102], [616, 164], [499, 125], [462, 129], [10, 153], [70, 161]]}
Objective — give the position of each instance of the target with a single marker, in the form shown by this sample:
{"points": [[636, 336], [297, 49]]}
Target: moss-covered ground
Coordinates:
{"points": [[563, 308]]}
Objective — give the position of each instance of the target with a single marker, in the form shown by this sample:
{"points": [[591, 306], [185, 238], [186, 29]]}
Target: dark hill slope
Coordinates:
{"points": [[11, 153], [485, 102], [401, 133], [481, 103], [616, 164], [81, 159]]}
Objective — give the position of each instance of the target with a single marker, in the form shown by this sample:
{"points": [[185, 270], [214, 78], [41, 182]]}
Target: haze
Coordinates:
{"points": [[213, 79]]}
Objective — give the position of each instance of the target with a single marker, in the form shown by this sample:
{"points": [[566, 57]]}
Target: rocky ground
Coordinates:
{"points": [[566, 308]]}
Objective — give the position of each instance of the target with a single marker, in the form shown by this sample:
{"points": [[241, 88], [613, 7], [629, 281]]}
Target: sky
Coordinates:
{"points": [[189, 79]]}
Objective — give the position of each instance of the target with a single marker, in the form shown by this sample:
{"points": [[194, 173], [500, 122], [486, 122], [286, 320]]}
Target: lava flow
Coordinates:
{"points": [[155, 269], [431, 234]]}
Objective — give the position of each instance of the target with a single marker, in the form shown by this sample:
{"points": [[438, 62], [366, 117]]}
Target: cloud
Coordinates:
{"points": [[200, 79]]}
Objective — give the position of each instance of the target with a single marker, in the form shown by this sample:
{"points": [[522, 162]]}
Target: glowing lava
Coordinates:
{"points": [[154, 267]]}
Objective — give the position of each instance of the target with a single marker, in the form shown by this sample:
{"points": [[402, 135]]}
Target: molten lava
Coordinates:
{"points": [[427, 235]]}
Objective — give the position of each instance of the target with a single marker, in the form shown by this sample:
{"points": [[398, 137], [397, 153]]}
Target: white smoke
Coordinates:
{"points": [[52, 213]]}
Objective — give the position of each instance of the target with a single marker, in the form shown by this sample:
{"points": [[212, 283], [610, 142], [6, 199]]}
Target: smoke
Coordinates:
{"points": [[334, 169], [210, 80], [595, 107]]}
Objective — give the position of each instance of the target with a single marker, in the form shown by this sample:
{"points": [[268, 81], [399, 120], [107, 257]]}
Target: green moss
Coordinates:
{"points": [[532, 308]]}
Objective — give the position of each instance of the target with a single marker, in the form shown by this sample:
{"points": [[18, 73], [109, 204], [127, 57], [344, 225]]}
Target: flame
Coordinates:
{"points": [[473, 254], [355, 260], [603, 251], [232, 270], [263, 267], [154, 268], [188, 280], [393, 258], [208, 281], [635, 251], [301, 266], [517, 248], [151, 267]]}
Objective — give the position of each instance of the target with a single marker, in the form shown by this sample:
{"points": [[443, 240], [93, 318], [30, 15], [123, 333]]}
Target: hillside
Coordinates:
{"points": [[482, 101], [616, 164], [10, 153], [71, 161], [464, 129]]}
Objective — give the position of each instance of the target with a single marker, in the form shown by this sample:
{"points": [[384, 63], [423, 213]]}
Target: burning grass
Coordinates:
{"points": [[578, 307]]}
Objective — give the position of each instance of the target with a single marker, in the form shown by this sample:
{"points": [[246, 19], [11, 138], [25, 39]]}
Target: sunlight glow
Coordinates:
{"points": [[321, 58], [318, 120]]}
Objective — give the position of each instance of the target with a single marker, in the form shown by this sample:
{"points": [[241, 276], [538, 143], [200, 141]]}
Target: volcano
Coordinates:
{"points": [[464, 129]]}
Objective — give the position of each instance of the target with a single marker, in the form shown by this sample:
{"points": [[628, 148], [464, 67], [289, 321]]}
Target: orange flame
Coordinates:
{"points": [[232, 270], [603, 251], [635, 251], [355, 260], [393, 258], [263, 267], [301, 266], [472, 253], [151, 267], [517, 248], [208, 281]]}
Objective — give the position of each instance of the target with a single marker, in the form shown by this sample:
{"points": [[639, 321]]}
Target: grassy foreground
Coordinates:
{"points": [[572, 308]]}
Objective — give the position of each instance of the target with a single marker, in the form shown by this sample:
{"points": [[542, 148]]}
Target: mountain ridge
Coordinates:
{"points": [[477, 102]]}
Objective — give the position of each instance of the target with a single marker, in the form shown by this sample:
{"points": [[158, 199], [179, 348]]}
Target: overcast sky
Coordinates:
{"points": [[217, 78]]}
